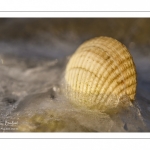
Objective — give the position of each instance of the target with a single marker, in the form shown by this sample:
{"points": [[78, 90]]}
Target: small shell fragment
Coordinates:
{"points": [[100, 73]]}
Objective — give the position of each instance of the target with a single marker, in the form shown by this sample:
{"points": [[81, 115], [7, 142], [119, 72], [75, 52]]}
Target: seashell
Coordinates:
{"points": [[100, 73]]}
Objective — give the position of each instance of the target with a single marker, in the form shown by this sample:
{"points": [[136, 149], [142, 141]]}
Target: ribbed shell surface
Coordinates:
{"points": [[100, 69]]}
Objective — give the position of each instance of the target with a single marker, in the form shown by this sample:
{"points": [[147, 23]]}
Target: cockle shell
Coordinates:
{"points": [[99, 73]]}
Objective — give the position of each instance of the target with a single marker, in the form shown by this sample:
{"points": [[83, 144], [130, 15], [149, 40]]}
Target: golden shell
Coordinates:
{"points": [[100, 72]]}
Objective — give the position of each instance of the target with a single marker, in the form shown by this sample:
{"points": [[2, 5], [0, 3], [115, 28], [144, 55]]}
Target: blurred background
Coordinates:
{"points": [[34, 51], [20, 37], [33, 40]]}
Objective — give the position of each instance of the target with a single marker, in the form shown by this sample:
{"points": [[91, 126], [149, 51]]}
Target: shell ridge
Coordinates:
{"points": [[108, 54], [100, 49], [100, 72], [114, 60], [117, 76]]}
